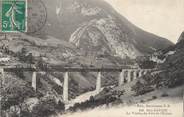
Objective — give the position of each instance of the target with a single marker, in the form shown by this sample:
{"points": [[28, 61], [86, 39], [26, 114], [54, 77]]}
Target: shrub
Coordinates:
{"points": [[154, 97], [47, 108], [164, 95], [92, 103], [15, 95], [174, 82], [141, 88], [142, 101]]}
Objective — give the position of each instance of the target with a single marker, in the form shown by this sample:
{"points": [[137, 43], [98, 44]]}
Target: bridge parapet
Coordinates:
{"points": [[67, 69]]}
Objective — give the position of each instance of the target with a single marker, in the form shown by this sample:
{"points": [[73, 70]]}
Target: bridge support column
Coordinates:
{"points": [[140, 73], [98, 83], [129, 75], [65, 87], [145, 72], [134, 75], [121, 78], [3, 77], [34, 80]]}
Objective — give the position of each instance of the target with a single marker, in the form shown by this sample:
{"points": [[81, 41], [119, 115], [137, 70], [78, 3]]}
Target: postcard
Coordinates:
{"points": [[91, 58]]}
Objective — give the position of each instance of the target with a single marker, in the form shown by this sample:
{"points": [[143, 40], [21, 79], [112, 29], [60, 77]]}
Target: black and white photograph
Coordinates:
{"points": [[91, 58]]}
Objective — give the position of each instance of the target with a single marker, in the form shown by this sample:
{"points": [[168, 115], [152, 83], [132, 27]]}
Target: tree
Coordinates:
{"points": [[47, 108], [141, 88], [40, 63], [91, 99], [22, 54], [24, 51], [14, 94], [30, 58]]}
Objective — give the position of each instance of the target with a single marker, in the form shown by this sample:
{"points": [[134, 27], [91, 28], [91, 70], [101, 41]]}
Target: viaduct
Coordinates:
{"points": [[125, 75]]}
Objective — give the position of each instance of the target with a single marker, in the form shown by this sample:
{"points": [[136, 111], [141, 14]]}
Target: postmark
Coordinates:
{"points": [[37, 16], [13, 17]]}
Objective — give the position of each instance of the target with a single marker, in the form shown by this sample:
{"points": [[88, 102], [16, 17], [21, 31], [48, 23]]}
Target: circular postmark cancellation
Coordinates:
{"points": [[36, 15]]}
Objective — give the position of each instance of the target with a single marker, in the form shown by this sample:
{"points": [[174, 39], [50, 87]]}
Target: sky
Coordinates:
{"points": [[161, 17]]}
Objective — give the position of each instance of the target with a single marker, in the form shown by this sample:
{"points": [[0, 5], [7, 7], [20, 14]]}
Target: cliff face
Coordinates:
{"points": [[171, 70], [94, 25], [181, 37], [175, 56]]}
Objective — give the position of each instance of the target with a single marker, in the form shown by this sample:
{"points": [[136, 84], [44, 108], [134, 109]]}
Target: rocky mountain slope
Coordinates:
{"points": [[181, 37], [173, 55], [94, 25], [77, 33], [88, 32], [169, 76], [84, 33], [166, 82], [171, 73]]}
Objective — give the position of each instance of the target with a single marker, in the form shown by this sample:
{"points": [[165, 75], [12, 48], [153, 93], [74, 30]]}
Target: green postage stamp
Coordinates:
{"points": [[13, 15]]}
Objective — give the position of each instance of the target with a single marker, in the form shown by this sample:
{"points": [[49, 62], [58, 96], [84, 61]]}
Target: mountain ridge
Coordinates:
{"points": [[65, 18]]}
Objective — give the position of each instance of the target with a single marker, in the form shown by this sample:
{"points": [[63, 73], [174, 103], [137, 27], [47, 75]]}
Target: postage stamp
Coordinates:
{"points": [[13, 17]]}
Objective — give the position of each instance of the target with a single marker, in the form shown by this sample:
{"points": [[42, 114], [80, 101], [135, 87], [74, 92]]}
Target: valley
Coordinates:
{"points": [[87, 58]]}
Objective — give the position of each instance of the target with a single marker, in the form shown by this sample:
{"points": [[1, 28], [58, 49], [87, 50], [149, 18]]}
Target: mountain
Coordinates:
{"points": [[166, 82], [174, 55], [82, 33], [170, 72], [78, 33], [93, 25], [181, 37]]}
